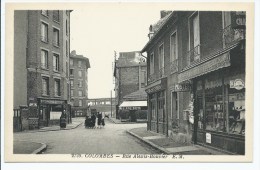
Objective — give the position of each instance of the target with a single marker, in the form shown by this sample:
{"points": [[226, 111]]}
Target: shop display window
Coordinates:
{"points": [[236, 109], [215, 119]]}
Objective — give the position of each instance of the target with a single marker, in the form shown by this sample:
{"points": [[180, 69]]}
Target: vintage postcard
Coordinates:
{"points": [[129, 82]]}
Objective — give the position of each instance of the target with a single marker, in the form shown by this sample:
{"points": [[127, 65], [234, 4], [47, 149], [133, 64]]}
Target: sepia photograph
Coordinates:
{"points": [[129, 82]]}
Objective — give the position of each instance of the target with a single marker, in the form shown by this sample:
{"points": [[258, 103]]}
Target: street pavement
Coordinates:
{"points": [[112, 139]]}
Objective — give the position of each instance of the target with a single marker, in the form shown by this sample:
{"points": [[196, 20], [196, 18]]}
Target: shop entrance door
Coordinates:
{"points": [[161, 113]]}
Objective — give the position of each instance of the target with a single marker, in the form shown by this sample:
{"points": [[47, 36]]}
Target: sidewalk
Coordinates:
{"points": [[27, 147], [118, 121], [168, 146]]}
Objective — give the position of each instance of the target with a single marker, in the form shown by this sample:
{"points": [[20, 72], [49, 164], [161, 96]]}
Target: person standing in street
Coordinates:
{"points": [[93, 120], [99, 116]]}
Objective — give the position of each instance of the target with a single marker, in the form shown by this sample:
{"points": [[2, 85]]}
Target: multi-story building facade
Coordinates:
{"points": [[130, 77], [41, 58], [79, 66], [196, 78]]}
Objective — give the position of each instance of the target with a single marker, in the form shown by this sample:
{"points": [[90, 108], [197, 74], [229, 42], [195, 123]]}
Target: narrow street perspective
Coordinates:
{"points": [[95, 82]]}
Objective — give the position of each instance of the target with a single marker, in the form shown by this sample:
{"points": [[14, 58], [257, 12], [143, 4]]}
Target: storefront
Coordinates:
{"points": [[219, 102], [133, 111], [157, 117], [50, 111]]}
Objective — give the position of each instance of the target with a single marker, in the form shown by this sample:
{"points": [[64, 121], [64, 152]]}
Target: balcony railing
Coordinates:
{"points": [[194, 55], [174, 66], [231, 35]]}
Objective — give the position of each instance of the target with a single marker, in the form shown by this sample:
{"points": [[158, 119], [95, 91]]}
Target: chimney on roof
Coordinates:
{"points": [[151, 32], [164, 13], [73, 53]]}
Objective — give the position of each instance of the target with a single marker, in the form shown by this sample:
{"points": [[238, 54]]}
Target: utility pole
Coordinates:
{"points": [[111, 101]]}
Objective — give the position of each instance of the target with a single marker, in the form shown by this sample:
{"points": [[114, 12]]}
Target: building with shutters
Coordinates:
{"points": [[41, 60], [78, 74], [196, 78]]}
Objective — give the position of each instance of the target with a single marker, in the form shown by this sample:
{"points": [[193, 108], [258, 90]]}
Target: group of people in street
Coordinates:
{"points": [[90, 121]]}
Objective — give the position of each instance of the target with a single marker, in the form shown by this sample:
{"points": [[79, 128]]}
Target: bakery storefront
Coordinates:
{"points": [[218, 86], [157, 117]]}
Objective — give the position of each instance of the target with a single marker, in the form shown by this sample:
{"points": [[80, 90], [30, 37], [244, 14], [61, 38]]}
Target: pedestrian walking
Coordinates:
{"points": [[99, 116], [93, 120], [103, 119]]}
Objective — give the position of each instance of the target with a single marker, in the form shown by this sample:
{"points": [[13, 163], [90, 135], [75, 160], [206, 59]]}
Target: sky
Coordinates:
{"points": [[98, 31]]}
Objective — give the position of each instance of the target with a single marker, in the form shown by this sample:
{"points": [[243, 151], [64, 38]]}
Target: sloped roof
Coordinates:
{"points": [[137, 95], [156, 28]]}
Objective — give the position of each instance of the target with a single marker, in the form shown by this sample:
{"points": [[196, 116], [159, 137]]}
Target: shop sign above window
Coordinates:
{"points": [[238, 20], [182, 87], [237, 84]]}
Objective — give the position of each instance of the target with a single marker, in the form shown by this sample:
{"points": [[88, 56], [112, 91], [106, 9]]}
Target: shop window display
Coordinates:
{"points": [[236, 109], [215, 119]]}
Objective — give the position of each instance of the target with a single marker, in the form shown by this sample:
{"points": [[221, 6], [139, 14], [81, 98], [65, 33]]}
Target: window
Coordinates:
{"points": [[80, 102], [79, 63], [161, 61], [45, 85], [57, 87], [71, 72], [72, 93], [44, 59], [44, 12], [55, 62], [56, 41], [71, 62], [151, 63], [80, 73], [173, 47], [56, 16], [67, 69], [143, 78], [194, 34], [80, 93], [71, 83], [67, 54], [80, 83], [67, 27], [44, 32]]}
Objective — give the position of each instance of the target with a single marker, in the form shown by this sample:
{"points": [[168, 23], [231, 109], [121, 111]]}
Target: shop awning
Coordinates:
{"points": [[133, 104], [216, 63]]}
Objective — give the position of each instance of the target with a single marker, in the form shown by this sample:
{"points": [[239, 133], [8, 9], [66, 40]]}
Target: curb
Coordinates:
{"points": [[39, 130], [149, 143], [39, 150], [125, 122]]}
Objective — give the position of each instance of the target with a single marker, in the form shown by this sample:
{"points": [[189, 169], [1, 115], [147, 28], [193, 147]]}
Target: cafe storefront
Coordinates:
{"points": [[218, 115], [157, 117]]}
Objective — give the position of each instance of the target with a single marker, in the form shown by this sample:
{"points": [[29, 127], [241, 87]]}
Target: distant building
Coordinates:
{"points": [[41, 57], [105, 105], [130, 77], [78, 73]]}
